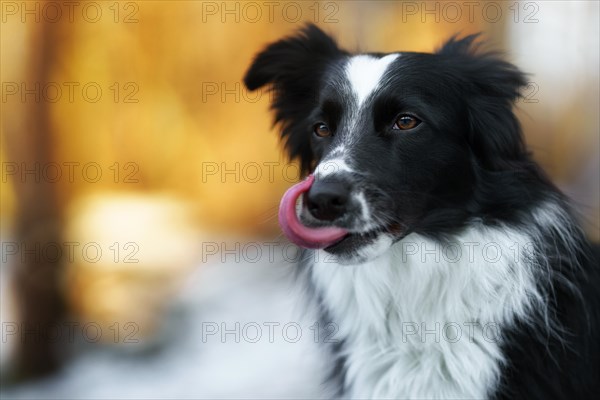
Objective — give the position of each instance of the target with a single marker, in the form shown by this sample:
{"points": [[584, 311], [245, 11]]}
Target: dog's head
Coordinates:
{"points": [[396, 142]]}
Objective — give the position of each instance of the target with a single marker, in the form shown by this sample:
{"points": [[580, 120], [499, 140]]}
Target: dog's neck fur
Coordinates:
{"points": [[425, 318]]}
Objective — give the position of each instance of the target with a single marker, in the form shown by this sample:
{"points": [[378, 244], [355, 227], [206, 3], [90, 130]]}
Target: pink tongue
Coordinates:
{"points": [[312, 238]]}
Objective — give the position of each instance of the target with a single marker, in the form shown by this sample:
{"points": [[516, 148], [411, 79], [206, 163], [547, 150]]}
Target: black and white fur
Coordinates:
{"points": [[454, 228]]}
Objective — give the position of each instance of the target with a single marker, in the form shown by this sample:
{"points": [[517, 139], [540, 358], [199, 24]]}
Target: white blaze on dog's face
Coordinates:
{"points": [[364, 75], [394, 140], [364, 72]]}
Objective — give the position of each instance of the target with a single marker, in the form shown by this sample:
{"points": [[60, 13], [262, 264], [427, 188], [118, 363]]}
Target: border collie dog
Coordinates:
{"points": [[451, 266]]}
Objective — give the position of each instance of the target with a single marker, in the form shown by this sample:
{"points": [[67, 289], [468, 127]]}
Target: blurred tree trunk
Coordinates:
{"points": [[39, 219]]}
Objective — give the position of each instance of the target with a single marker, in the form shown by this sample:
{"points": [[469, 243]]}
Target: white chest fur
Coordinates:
{"points": [[424, 320]]}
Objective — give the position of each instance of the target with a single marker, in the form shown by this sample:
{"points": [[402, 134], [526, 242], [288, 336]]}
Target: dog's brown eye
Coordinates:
{"points": [[322, 130], [406, 122]]}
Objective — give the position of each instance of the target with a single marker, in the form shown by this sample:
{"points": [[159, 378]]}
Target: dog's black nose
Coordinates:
{"points": [[328, 199]]}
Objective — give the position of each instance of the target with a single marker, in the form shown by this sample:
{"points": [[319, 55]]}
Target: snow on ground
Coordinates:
{"points": [[240, 329]]}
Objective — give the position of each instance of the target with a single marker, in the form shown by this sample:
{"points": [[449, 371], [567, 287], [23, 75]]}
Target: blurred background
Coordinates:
{"points": [[140, 180]]}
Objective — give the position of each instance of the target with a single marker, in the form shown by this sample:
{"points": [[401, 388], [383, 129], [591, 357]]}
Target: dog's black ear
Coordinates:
{"points": [[295, 56], [490, 86], [294, 67]]}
